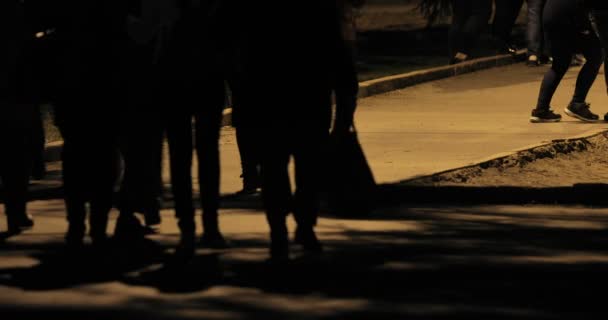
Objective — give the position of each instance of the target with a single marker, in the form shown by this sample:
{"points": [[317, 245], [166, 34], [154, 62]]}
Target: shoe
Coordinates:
{"points": [[533, 61], [307, 238], [459, 58], [18, 223], [545, 59], [581, 111], [213, 240], [185, 249], [510, 49], [251, 184], [544, 115], [606, 117], [129, 228], [578, 60], [74, 238]]}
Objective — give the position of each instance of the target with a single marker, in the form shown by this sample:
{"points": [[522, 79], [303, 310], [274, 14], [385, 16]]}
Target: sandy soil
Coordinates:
{"points": [[562, 163]]}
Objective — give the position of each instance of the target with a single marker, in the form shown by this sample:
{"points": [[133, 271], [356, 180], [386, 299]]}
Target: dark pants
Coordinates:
{"points": [[307, 149], [599, 19], [537, 44], [504, 19], [141, 149], [15, 162], [566, 39], [38, 142], [89, 165], [141, 139], [248, 139], [207, 123], [469, 19]]}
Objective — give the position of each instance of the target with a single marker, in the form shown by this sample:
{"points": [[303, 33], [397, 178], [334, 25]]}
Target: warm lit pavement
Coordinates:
{"points": [[420, 262]]}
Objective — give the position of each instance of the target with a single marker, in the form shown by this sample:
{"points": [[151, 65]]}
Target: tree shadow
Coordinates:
{"points": [[420, 262]]}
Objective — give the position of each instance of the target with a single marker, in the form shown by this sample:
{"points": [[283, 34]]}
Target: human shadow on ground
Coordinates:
{"points": [[419, 262]]}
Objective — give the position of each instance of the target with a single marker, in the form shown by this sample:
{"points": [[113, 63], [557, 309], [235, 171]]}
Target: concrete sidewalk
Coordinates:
{"points": [[463, 120], [445, 124]]}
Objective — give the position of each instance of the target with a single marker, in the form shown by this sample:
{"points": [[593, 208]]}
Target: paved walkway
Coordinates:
{"points": [[428, 262], [458, 121]]}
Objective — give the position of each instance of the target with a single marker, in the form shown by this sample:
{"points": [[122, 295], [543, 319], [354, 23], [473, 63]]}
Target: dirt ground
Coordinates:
{"points": [[562, 163]]}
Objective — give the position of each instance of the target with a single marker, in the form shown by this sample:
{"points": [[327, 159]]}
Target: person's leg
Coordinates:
{"points": [[103, 180], [590, 46], [599, 19], [562, 51], [308, 170], [74, 193], [179, 135], [461, 12], [535, 33], [247, 140], [276, 191], [38, 141], [16, 164], [476, 24], [207, 128], [505, 15]]}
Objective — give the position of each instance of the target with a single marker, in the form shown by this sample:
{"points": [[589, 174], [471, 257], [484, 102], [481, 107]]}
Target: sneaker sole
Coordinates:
{"points": [[541, 120], [574, 115]]}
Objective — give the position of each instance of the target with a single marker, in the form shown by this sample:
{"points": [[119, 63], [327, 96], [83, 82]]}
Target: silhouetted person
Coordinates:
{"points": [[16, 114], [141, 126], [470, 18], [293, 115], [194, 96], [568, 28], [91, 37], [505, 15]]}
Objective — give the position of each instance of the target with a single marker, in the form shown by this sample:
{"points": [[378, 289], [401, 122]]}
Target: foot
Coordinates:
{"points": [[18, 223], [307, 238], [129, 227], [185, 249], [459, 58], [533, 61], [581, 111], [544, 115], [509, 49], [74, 238], [213, 240]]}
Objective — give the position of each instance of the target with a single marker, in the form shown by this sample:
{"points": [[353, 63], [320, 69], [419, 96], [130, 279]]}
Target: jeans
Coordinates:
{"points": [[537, 41]]}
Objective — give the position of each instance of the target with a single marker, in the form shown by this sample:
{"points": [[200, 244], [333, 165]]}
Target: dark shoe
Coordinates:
{"points": [[74, 238], [185, 249], [606, 117], [152, 218], [251, 184], [279, 244], [544, 115], [307, 238], [39, 172], [509, 49], [129, 228], [213, 240], [581, 111], [18, 223]]}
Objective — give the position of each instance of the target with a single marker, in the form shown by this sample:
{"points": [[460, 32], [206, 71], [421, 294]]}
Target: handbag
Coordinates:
{"points": [[351, 187]]}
